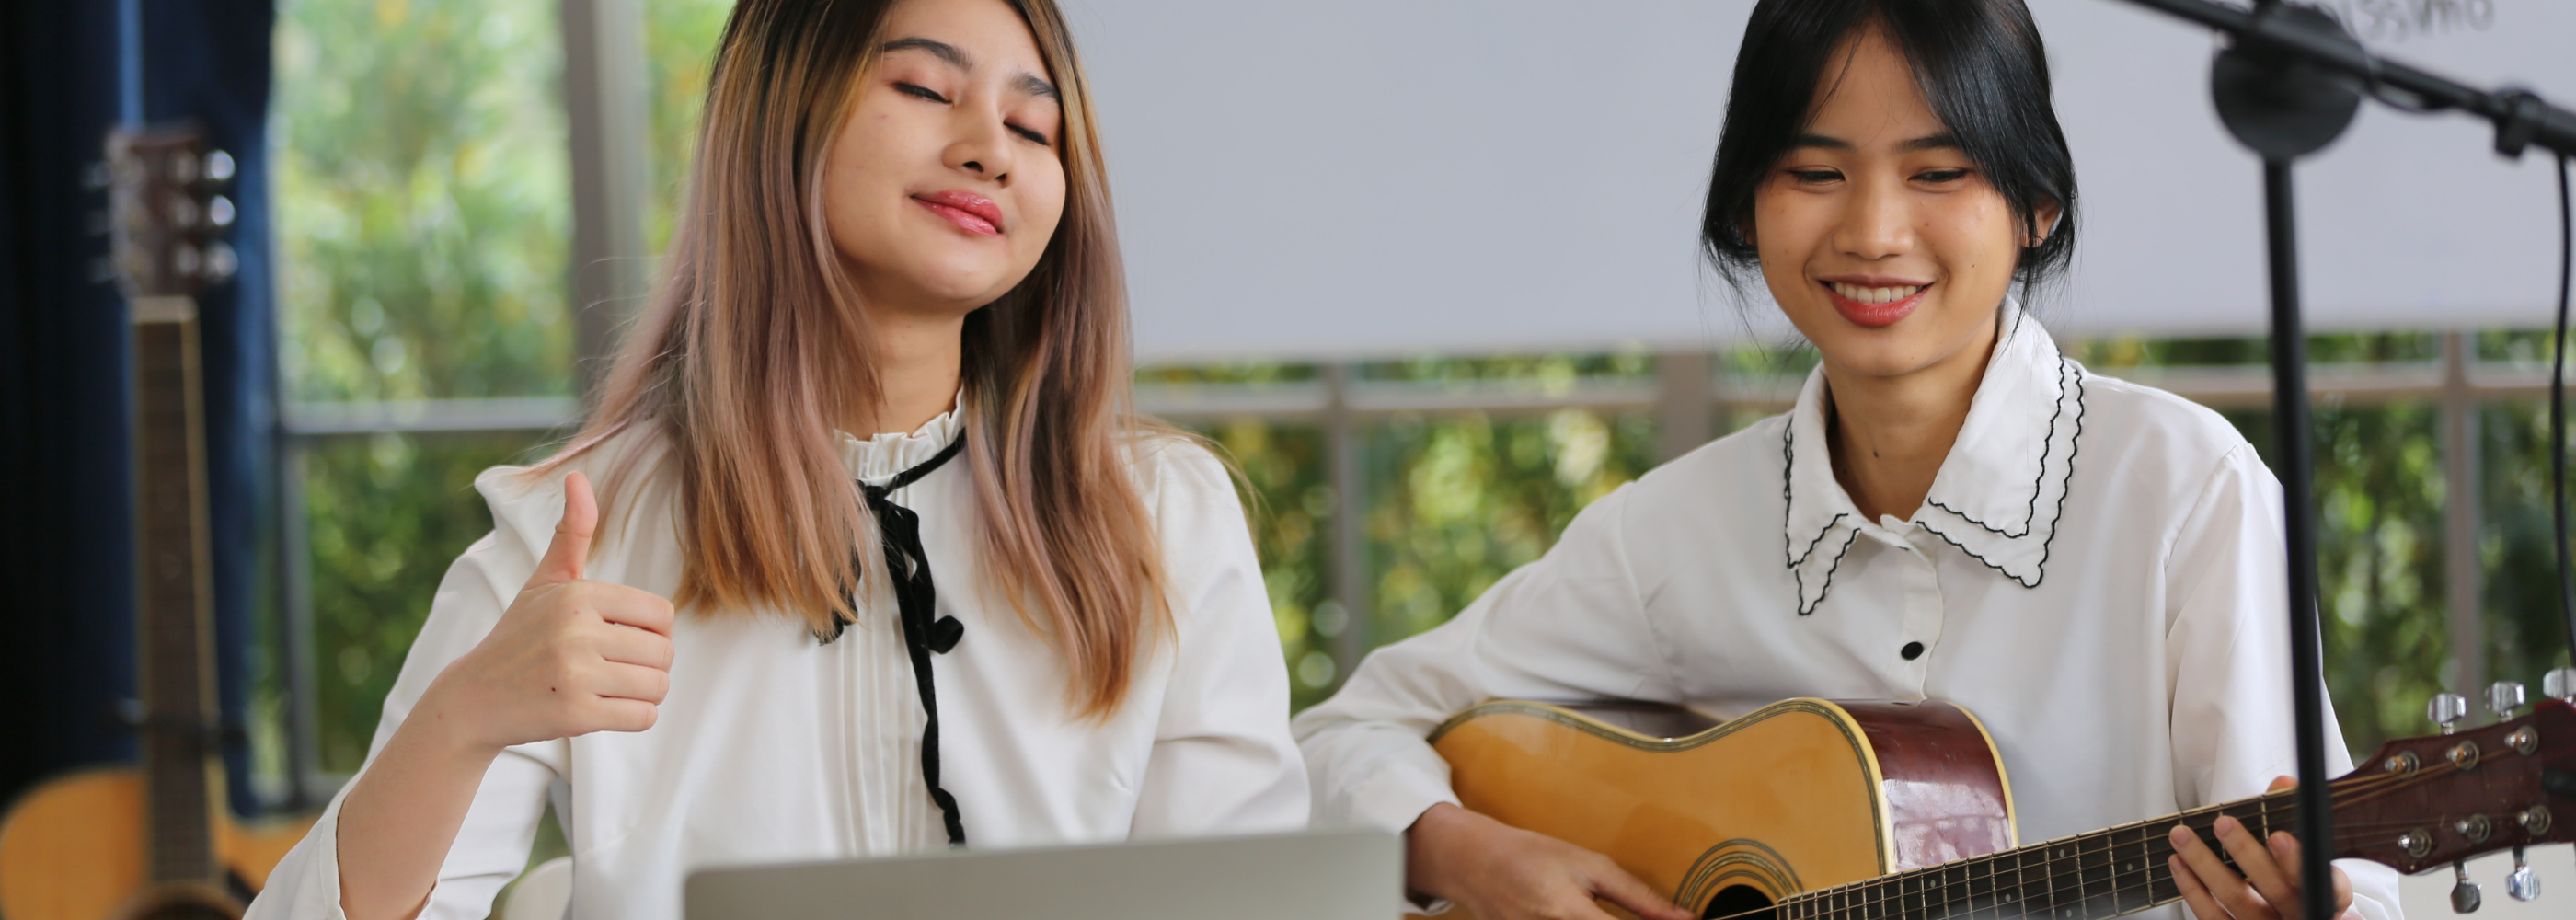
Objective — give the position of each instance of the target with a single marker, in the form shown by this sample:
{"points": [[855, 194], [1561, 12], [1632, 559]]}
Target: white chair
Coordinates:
{"points": [[542, 893]]}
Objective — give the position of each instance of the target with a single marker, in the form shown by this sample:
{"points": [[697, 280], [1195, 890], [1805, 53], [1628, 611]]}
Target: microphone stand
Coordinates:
{"points": [[2288, 85]]}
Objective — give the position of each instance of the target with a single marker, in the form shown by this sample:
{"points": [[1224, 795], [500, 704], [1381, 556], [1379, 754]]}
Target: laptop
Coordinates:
{"points": [[1310, 875]]}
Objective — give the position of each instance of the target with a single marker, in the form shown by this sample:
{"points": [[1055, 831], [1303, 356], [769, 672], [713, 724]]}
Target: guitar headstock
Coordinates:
{"points": [[167, 213], [2424, 802]]}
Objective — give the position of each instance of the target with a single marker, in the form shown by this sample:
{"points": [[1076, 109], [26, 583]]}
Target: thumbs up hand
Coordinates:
{"points": [[569, 657]]}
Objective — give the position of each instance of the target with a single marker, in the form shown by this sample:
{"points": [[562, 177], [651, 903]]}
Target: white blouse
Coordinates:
{"points": [[2096, 574], [773, 747]]}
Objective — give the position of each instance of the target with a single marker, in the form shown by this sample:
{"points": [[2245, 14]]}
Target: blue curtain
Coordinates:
{"points": [[66, 536]]}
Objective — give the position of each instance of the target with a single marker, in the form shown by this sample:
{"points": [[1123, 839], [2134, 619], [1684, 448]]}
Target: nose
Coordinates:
{"points": [[982, 145], [1877, 222]]}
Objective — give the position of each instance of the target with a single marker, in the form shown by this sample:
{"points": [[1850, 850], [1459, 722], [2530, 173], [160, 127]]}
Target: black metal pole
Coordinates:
{"points": [[2290, 434], [2558, 414]]}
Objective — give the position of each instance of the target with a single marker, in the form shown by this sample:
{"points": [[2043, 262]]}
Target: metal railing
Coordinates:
{"points": [[1687, 398]]}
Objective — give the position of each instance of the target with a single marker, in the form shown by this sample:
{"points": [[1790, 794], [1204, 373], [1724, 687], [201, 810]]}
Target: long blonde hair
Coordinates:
{"points": [[755, 342]]}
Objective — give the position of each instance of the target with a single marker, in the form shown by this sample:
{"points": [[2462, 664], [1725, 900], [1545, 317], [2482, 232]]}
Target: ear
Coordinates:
{"points": [[2045, 217], [1744, 230]]}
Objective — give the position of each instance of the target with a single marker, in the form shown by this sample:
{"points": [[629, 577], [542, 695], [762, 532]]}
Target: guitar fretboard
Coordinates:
{"points": [[2094, 876], [177, 691]]}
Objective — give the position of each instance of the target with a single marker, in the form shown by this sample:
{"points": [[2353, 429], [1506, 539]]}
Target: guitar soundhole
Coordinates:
{"points": [[1739, 902]]}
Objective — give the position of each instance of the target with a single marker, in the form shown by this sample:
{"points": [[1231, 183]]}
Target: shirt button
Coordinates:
{"points": [[1911, 651]]}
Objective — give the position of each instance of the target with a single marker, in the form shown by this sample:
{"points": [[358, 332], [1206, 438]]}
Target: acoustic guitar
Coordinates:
{"points": [[155, 842], [1813, 809]]}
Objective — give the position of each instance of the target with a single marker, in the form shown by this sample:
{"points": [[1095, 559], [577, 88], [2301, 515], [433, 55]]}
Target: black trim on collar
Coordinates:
{"points": [[2070, 383], [2066, 376]]}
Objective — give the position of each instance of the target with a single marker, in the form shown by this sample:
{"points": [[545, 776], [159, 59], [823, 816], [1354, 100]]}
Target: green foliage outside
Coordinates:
{"points": [[387, 514], [679, 53], [1457, 501], [422, 200]]}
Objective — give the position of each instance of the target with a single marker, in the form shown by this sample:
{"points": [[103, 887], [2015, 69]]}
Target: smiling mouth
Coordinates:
{"points": [[1874, 296], [1875, 307], [970, 212]]}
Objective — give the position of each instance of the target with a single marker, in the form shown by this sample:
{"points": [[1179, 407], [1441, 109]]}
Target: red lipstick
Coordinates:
{"points": [[971, 212]]}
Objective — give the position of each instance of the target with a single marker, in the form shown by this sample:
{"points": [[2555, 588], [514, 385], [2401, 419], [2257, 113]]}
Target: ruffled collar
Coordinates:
{"points": [[879, 459], [1999, 493]]}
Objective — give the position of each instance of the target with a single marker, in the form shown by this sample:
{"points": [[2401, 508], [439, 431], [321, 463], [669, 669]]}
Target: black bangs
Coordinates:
{"points": [[1981, 68]]}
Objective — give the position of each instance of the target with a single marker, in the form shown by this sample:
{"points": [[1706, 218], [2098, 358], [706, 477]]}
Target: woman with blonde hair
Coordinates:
{"points": [[1026, 616]]}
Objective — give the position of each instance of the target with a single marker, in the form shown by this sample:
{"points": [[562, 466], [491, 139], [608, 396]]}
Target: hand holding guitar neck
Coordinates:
{"points": [[569, 657], [2267, 889]]}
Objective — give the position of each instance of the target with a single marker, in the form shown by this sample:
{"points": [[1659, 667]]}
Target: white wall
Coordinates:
{"points": [[1357, 177]]}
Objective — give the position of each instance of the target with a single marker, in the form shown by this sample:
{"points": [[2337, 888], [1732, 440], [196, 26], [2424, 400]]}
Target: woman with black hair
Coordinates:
{"points": [[1953, 510]]}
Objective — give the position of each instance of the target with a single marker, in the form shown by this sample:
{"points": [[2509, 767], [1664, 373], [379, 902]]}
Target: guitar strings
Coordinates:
{"points": [[1880, 891], [2054, 882]]}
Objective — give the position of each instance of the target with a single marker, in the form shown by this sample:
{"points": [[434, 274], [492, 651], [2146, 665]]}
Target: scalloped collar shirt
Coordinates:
{"points": [[2097, 574], [773, 747]]}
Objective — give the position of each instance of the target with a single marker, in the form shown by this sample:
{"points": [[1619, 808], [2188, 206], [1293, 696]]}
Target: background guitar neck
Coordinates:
{"points": [[163, 214], [179, 730]]}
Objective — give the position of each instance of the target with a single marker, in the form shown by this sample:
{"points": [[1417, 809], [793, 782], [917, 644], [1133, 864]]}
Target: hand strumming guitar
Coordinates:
{"points": [[1500, 872]]}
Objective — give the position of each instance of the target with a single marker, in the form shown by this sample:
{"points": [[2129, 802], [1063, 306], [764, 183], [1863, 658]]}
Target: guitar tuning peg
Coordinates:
{"points": [[219, 211], [221, 261], [2447, 709], [2503, 697], [2560, 683], [2521, 885], [219, 166], [2465, 897]]}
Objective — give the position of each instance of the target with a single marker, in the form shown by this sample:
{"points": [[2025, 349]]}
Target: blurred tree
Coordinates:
{"points": [[2526, 635], [388, 513], [679, 53], [422, 213], [421, 200], [1457, 501]]}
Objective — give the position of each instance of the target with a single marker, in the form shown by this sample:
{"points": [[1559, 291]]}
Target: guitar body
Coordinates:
{"points": [[1799, 795], [73, 848], [1817, 810]]}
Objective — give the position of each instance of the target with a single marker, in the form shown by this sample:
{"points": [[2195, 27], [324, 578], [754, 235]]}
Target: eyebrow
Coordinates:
{"points": [[1028, 83], [943, 50], [1943, 141]]}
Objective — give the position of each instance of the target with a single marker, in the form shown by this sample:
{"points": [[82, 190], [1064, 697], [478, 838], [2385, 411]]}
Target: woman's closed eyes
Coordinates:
{"points": [[1942, 176], [927, 94]]}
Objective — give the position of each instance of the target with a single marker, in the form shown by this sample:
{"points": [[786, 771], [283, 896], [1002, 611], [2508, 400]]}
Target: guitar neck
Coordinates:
{"points": [[178, 736], [2093, 876]]}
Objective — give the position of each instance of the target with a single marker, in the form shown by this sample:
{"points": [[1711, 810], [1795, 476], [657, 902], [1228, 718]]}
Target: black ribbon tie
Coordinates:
{"points": [[908, 569]]}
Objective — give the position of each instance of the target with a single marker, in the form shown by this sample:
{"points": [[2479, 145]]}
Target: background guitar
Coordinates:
{"points": [[155, 842], [1901, 811]]}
